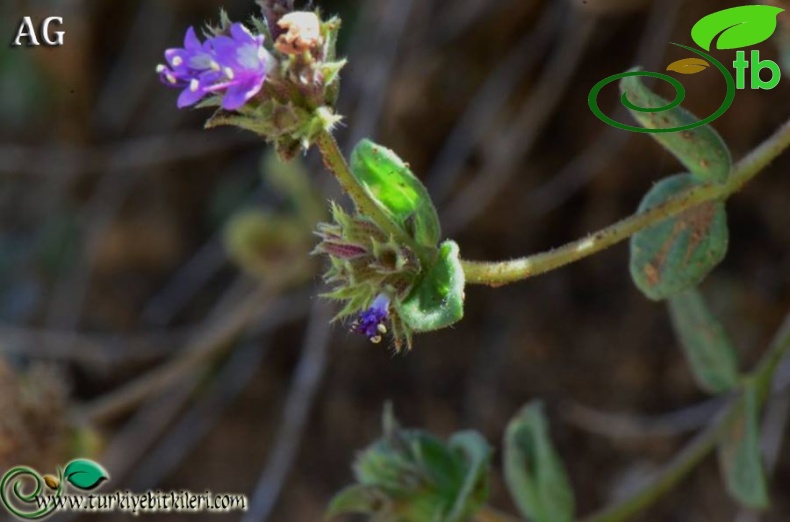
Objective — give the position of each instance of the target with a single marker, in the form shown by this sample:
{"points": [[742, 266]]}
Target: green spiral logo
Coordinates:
{"points": [[680, 95], [16, 479]]}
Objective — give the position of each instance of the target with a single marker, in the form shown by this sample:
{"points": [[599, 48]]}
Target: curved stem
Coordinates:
{"points": [[504, 272], [337, 165]]}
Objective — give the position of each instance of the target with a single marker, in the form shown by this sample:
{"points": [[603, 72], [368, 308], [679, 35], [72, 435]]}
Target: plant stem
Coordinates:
{"points": [[337, 165], [504, 272], [703, 443]]}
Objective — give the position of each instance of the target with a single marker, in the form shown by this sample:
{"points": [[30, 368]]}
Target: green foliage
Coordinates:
{"points": [[85, 474], [438, 299], [397, 191], [533, 471], [740, 458], [701, 150], [742, 26], [707, 346], [676, 254], [410, 475]]}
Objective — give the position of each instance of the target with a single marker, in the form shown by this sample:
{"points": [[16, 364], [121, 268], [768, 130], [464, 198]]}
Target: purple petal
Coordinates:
{"points": [[235, 97], [241, 34], [189, 97], [191, 41]]}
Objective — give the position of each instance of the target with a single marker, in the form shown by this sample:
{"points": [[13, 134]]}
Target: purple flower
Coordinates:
{"points": [[236, 64], [370, 322]]}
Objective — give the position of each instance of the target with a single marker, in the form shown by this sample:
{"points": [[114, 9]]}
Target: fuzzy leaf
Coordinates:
{"points": [[534, 473], [472, 448], [701, 150], [740, 458], [707, 346], [676, 254], [438, 299], [397, 190], [85, 474], [739, 27]]}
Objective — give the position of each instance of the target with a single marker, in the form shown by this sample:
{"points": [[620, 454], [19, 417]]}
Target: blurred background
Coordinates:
{"points": [[128, 334]]}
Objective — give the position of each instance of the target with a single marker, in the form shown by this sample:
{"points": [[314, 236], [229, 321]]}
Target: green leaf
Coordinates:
{"points": [[701, 150], [707, 346], [740, 458], [436, 461], [475, 451], [438, 299], [534, 473], [357, 498], [742, 26], [676, 254], [85, 474], [397, 191]]}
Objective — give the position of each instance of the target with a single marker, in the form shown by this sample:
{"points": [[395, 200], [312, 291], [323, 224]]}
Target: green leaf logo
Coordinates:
{"points": [[738, 27], [85, 474]]}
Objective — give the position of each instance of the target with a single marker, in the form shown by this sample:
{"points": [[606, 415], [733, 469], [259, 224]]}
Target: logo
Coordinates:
{"points": [[733, 28], [28, 495], [82, 474]]}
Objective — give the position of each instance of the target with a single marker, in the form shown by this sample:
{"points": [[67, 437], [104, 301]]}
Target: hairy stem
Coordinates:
{"points": [[504, 272], [337, 165]]}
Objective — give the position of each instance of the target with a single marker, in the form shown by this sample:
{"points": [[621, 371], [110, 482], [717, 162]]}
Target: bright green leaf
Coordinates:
{"points": [[742, 26], [85, 474], [740, 458], [707, 346], [397, 190], [438, 299], [701, 150], [677, 253], [534, 473]]}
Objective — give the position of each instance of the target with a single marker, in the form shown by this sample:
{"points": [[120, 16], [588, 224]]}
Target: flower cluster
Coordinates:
{"points": [[279, 84], [235, 64], [370, 273]]}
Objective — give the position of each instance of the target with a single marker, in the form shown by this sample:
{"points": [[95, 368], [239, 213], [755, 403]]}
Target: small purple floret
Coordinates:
{"points": [[236, 64], [371, 322]]}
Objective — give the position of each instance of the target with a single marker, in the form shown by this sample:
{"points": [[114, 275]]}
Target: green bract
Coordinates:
{"points": [[396, 190], [677, 253], [438, 299], [410, 475]]}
